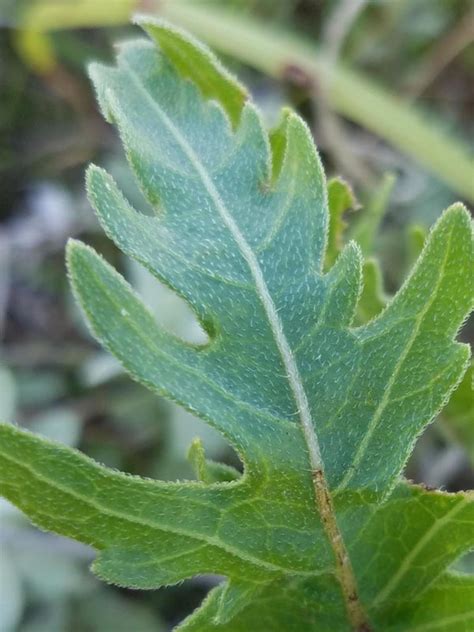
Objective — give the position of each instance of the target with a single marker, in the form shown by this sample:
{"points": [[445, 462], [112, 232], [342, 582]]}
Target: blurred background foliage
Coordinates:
{"points": [[387, 88]]}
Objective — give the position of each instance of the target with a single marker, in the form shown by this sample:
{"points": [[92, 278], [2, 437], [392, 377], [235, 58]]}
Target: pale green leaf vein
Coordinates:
{"points": [[407, 561], [386, 399], [113, 513]]}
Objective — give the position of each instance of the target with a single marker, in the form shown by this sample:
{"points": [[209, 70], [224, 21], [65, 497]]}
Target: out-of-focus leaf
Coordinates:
{"points": [[341, 198], [416, 238], [206, 470], [366, 227], [278, 137], [458, 415], [372, 298]]}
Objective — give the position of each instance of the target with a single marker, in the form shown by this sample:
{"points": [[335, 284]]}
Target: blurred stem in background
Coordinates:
{"points": [[337, 27], [284, 55], [441, 54]]}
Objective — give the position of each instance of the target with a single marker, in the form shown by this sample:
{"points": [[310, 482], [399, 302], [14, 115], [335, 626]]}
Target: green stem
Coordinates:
{"points": [[279, 54], [282, 55]]}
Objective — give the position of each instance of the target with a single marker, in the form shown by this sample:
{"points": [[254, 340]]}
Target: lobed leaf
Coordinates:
{"points": [[320, 532]]}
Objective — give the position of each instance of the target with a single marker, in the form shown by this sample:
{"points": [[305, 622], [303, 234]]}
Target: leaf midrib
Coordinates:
{"points": [[263, 293], [323, 500], [235, 552]]}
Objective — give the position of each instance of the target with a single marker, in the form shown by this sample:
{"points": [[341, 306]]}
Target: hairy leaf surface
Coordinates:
{"points": [[320, 532]]}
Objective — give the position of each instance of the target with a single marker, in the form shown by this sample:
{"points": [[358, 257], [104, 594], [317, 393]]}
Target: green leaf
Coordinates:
{"points": [[365, 230], [416, 237], [195, 61], [373, 298], [341, 198], [273, 51], [206, 470], [458, 415], [323, 414]]}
